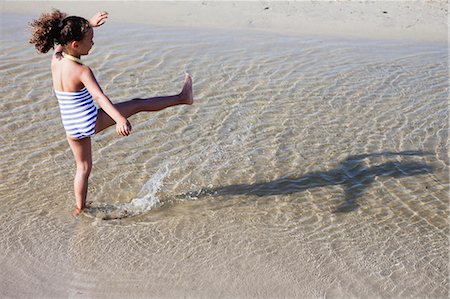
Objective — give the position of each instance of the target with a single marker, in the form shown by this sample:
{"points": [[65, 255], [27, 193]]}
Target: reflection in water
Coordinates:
{"points": [[351, 173]]}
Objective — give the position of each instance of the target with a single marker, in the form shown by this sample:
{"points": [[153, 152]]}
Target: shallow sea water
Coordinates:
{"points": [[306, 167]]}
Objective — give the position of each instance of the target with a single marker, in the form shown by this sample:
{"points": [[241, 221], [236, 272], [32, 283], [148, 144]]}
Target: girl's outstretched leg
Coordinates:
{"points": [[128, 108], [81, 149]]}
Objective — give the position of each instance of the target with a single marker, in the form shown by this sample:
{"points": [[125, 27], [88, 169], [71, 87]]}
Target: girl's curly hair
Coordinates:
{"points": [[55, 27]]}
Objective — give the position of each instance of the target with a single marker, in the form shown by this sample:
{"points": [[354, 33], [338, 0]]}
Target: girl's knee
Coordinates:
{"points": [[84, 168]]}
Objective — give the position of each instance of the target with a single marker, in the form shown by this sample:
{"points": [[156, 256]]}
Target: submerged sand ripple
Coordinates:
{"points": [[240, 194]]}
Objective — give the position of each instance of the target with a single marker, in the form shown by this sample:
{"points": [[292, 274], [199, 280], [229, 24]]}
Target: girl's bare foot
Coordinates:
{"points": [[186, 95], [76, 212]]}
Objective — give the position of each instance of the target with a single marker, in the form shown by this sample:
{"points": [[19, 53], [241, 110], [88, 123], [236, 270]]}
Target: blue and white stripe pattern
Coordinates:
{"points": [[78, 112]]}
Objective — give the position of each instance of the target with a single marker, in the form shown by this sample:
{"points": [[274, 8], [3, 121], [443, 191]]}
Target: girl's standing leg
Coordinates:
{"points": [[81, 149], [134, 106]]}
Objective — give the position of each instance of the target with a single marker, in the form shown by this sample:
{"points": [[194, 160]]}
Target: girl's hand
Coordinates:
{"points": [[99, 19], [123, 128]]}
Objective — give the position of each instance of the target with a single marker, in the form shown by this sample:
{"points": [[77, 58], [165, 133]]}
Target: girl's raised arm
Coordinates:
{"points": [[98, 19]]}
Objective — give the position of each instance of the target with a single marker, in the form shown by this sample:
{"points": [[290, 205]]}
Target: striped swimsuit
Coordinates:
{"points": [[78, 112]]}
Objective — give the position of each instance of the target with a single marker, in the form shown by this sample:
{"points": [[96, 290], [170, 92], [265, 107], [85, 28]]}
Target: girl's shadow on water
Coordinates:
{"points": [[351, 173]]}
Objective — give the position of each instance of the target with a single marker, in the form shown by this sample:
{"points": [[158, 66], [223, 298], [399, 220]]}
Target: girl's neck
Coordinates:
{"points": [[73, 58], [72, 54]]}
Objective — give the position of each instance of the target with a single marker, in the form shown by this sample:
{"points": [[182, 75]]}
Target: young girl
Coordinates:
{"points": [[76, 87]]}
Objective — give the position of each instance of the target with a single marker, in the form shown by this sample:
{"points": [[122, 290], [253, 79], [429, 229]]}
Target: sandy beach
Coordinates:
{"points": [[313, 163], [406, 20]]}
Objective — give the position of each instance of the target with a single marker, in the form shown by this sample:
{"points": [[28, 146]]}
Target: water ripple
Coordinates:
{"points": [[305, 154]]}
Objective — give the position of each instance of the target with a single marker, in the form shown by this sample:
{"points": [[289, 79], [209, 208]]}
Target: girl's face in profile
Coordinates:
{"points": [[86, 43]]}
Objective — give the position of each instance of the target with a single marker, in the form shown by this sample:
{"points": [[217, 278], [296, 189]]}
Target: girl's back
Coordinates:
{"points": [[66, 74]]}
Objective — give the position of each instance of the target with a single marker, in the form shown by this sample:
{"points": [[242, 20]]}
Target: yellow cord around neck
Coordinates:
{"points": [[73, 58]]}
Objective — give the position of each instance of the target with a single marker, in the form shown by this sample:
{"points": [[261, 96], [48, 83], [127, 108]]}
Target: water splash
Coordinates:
{"points": [[145, 201], [146, 198]]}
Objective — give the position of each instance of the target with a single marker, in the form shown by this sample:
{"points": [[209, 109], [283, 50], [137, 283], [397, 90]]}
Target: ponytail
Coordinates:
{"points": [[55, 27], [46, 30]]}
